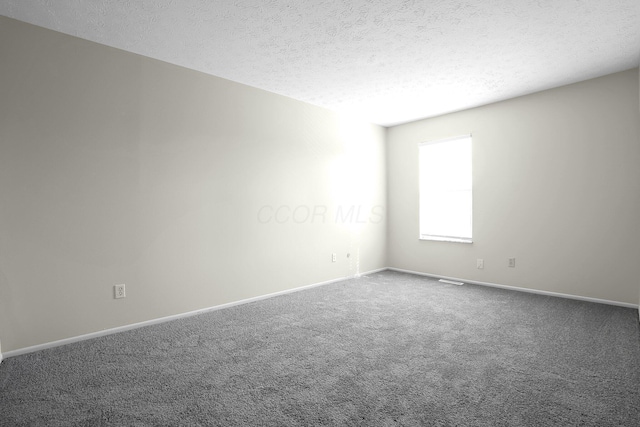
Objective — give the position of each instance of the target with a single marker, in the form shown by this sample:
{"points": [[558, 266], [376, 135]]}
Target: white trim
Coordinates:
{"points": [[515, 288], [446, 239], [110, 331]]}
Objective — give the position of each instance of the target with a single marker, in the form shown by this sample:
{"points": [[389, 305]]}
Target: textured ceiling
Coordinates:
{"points": [[387, 61]]}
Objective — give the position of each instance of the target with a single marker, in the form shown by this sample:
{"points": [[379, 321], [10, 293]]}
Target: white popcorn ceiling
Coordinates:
{"points": [[387, 61]]}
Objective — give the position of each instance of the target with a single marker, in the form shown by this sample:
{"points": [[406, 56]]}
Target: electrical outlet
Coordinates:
{"points": [[480, 263], [512, 262], [118, 291], [333, 257]]}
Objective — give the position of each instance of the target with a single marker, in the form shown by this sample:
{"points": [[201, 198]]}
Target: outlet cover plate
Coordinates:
{"points": [[119, 291]]}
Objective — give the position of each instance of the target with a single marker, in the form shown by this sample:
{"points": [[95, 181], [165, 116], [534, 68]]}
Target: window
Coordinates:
{"points": [[445, 190]]}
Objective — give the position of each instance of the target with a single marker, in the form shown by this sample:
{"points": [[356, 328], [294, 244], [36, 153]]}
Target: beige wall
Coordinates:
{"points": [[556, 185], [115, 168]]}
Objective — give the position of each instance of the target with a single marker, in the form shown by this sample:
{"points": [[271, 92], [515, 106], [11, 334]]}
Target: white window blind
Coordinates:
{"points": [[446, 190]]}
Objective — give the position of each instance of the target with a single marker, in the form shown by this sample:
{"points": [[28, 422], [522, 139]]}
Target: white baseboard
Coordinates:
{"points": [[110, 331], [515, 288]]}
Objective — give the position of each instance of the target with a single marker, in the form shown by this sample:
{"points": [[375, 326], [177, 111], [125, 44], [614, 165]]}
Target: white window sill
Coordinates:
{"points": [[446, 239]]}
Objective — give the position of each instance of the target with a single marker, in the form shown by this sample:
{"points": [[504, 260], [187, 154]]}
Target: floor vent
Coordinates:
{"points": [[451, 282]]}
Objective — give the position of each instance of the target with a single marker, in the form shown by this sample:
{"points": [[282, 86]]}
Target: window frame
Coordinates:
{"points": [[421, 194]]}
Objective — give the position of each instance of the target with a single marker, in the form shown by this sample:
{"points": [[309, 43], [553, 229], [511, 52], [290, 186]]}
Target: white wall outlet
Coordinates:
{"points": [[333, 257], [118, 291], [512, 262], [480, 263]]}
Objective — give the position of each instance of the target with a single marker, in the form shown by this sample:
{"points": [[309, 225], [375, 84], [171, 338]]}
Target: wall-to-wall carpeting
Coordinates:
{"points": [[385, 349]]}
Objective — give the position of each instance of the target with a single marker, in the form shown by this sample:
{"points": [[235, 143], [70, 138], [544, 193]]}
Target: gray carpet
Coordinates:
{"points": [[382, 350]]}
